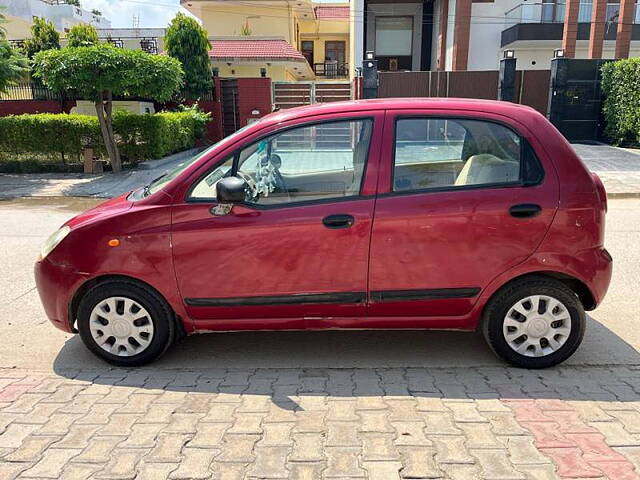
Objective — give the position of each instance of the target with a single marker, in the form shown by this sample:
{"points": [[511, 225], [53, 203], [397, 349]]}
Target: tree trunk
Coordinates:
{"points": [[104, 108]]}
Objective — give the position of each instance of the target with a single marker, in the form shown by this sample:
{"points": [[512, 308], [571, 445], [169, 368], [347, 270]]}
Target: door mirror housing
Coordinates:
{"points": [[229, 190]]}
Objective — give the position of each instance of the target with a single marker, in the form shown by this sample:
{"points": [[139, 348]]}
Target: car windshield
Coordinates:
{"points": [[164, 179]]}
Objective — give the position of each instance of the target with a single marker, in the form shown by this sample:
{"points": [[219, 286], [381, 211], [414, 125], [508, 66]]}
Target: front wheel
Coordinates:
{"points": [[125, 323], [535, 322]]}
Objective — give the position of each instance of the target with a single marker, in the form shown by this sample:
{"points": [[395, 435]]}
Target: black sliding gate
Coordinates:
{"points": [[575, 98]]}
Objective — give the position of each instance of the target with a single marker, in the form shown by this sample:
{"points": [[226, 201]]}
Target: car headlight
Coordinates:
{"points": [[54, 240]]}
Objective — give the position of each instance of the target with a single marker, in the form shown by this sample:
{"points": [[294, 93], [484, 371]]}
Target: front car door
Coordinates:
{"points": [[296, 251], [462, 199]]}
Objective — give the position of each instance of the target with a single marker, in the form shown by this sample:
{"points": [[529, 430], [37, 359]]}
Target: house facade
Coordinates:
{"points": [[286, 40], [62, 15], [472, 34]]}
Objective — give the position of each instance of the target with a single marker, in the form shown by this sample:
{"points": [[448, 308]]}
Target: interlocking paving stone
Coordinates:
{"points": [[270, 463], [99, 450], [52, 463], [122, 464], [31, 449], [15, 434], [419, 462], [496, 422], [195, 464], [495, 465]]}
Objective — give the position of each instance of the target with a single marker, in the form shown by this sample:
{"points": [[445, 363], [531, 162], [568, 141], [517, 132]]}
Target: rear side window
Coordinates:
{"points": [[441, 153]]}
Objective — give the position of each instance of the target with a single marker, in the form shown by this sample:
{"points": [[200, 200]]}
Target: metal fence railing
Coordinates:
{"points": [[29, 91], [37, 91]]}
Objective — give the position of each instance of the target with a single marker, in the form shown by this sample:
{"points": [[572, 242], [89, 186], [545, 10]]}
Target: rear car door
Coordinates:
{"points": [[463, 197], [299, 249]]}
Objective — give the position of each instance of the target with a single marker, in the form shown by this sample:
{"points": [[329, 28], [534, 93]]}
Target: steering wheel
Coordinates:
{"points": [[252, 188]]}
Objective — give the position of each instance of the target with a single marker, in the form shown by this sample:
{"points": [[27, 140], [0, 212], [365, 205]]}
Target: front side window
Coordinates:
{"points": [[443, 153], [309, 163]]}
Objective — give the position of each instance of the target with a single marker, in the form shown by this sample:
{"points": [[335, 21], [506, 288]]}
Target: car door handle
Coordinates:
{"points": [[338, 221], [525, 210]]}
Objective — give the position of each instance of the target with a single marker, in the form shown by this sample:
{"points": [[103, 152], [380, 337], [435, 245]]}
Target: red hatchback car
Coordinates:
{"points": [[397, 213]]}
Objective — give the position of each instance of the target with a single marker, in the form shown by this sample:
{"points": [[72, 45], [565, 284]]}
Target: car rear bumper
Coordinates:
{"points": [[603, 269], [56, 284]]}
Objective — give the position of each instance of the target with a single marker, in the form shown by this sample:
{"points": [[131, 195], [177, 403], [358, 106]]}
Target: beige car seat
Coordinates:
{"points": [[486, 168]]}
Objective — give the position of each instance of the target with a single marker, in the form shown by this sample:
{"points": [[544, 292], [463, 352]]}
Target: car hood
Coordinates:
{"points": [[106, 209]]}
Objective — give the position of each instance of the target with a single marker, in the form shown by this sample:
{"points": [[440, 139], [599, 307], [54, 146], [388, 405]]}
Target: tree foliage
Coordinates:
{"points": [[44, 36], [187, 41], [621, 87], [103, 71], [82, 35], [13, 65]]}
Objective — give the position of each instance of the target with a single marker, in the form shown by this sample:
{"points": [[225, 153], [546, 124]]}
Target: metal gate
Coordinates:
{"points": [[230, 111], [575, 98], [289, 95]]}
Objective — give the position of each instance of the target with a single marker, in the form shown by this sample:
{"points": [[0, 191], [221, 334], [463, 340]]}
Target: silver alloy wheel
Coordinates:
{"points": [[121, 326], [537, 325]]}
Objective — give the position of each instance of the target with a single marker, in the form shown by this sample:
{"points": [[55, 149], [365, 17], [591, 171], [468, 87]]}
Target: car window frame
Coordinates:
{"points": [[236, 157], [524, 143]]}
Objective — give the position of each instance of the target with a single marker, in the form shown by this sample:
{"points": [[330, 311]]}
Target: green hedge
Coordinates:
{"points": [[154, 136], [621, 88], [61, 138]]}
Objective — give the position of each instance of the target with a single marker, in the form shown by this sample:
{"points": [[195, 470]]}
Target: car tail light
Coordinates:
{"points": [[600, 190]]}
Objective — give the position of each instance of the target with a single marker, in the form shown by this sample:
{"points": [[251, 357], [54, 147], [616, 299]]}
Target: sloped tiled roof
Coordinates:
{"points": [[251, 49], [332, 12]]}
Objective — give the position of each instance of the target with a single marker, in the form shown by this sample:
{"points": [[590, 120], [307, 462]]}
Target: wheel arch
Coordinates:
{"points": [[89, 284], [576, 285]]}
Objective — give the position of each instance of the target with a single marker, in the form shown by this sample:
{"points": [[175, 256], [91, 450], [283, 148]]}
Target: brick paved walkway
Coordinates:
{"points": [[494, 423]]}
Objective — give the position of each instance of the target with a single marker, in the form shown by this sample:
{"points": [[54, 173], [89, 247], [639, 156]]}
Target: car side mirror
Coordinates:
{"points": [[229, 190]]}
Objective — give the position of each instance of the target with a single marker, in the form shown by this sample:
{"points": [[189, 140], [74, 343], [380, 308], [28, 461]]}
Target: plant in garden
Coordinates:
{"points": [[245, 30], [13, 65], [187, 41], [621, 107], [44, 36], [82, 35], [101, 72]]}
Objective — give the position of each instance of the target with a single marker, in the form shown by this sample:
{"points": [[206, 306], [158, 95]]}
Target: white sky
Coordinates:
{"points": [[152, 13]]}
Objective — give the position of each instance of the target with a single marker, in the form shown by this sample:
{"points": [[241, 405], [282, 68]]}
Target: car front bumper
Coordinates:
{"points": [[56, 285]]}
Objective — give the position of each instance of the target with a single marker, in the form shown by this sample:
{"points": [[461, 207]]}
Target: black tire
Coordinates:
{"points": [[499, 305], [162, 318]]}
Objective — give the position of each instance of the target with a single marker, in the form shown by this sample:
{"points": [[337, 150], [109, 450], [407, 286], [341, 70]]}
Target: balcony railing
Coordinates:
{"points": [[17, 43], [549, 12], [331, 69]]}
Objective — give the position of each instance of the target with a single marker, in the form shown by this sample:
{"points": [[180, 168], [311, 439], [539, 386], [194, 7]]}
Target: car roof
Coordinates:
{"points": [[509, 109]]}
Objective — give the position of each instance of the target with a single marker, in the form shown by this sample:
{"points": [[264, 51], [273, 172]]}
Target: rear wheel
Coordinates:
{"points": [[125, 323], [535, 322]]}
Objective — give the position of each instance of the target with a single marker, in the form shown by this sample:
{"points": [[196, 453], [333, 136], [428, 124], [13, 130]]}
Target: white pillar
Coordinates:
{"points": [[356, 44]]}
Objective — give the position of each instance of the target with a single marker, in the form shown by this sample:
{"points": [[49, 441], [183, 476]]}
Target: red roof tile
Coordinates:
{"points": [[254, 49], [332, 12]]}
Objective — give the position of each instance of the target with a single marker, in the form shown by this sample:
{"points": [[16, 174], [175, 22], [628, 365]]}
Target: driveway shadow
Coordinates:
{"points": [[439, 364]]}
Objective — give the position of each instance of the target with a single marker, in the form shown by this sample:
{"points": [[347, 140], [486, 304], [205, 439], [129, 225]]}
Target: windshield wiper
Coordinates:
{"points": [[146, 191]]}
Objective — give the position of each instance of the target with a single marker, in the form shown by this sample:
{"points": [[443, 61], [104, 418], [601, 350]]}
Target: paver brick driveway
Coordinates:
{"points": [[493, 422]]}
